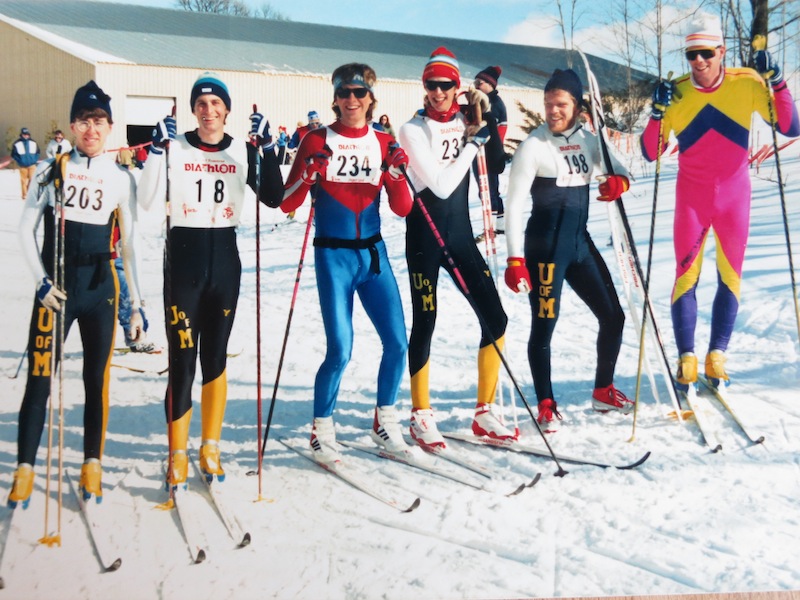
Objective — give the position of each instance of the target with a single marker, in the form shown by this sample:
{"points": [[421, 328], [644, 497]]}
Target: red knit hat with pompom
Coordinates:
{"points": [[442, 63]]}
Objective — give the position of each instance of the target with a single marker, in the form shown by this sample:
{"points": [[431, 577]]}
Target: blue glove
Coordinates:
{"points": [[662, 98], [259, 129], [164, 131], [479, 137], [766, 65]]}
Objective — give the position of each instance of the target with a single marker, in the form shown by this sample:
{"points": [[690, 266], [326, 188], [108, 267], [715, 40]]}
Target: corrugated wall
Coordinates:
{"points": [[39, 81]]}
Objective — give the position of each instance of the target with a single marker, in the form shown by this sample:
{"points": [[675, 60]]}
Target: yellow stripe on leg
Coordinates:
{"points": [[420, 388], [213, 399], [488, 370]]}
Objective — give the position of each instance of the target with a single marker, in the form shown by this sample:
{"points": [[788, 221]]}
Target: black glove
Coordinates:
{"points": [[662, 98], [766, 65], [164, 131]]}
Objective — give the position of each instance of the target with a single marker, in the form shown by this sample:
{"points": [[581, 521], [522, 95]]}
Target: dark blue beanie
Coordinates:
{"points": [[210, 83], [566, 80], [88, 98]]}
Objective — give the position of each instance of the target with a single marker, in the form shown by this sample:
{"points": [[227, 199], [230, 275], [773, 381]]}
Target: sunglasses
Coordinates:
{"points": [[344, 93], [442, 85], [706, 53]]}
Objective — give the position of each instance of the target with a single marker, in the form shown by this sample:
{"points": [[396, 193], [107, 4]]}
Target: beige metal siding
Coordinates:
{"points": [[39, 81]]}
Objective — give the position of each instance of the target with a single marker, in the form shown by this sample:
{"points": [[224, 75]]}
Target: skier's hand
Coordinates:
{"points": [[396, 162], [662, 98], [612, 188], [259, 129], [137, 326], [478, 134], [317, 167], [766, 65], [478, 102], [49, 295], [517, 277], [164, 131]]}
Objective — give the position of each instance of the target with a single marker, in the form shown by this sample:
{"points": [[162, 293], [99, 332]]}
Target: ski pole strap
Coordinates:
{"points": [[363, 244]]}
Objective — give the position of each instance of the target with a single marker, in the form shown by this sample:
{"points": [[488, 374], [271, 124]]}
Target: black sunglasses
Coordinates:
{"points": [[706, 53], [442, 85], [344, 93]]}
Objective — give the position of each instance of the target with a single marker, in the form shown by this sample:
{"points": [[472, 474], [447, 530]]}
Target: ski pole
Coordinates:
{"points": [[760, 43], [314, 191], [167, 308], [254, 142], [647, 283], [19, 366], [465, 290]]}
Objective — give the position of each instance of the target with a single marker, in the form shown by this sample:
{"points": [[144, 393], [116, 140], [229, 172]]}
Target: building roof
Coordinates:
{"points": [[101, 32]]}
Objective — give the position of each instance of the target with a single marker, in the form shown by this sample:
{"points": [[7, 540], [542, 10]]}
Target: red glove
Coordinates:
{"points": [[518, 279], [396, 162], [613, 187], [317, 167]]}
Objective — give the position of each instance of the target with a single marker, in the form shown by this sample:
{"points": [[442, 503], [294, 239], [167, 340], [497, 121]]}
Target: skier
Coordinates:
{"points": [[486, 82], [441, 147], [711, 117], [349, 253], [96, 194], [553, 167], [209, 173]]}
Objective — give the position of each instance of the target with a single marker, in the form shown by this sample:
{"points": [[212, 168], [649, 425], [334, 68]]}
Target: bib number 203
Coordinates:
{"points": [[219, 190]]}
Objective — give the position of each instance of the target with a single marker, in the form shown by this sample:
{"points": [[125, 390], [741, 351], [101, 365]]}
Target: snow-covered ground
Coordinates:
{"points": [[686, 521]]}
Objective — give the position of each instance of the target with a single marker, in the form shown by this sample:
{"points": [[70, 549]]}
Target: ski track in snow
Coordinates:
{"points": [[686, 521]]}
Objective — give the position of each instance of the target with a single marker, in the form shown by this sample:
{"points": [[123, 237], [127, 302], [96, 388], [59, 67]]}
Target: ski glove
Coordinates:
{"points": [[317, 167], [49, 295], [259, 129], [768, 67], [662, 98], [165, 131], [478, 134], [477, 98], [517, 277], [613, 187], [396, 162]]}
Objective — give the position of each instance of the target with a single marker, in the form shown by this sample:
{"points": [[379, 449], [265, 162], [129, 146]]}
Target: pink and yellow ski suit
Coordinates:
{"points": [[712, 126]]}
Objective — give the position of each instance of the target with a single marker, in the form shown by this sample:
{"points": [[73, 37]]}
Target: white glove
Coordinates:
{"points": [[49, 295]]}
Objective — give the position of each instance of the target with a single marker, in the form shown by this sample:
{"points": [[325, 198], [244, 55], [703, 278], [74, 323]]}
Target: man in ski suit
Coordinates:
{"points": [[25, 152], [553, 168], [96, 193], [710, 111], [486, 82], [350, 163], [441, 147], [209, 173], [58, 145]]}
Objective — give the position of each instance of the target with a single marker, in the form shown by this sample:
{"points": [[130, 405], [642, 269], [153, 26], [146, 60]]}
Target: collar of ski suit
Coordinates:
{"points": [[194, 140], [443, 117]]}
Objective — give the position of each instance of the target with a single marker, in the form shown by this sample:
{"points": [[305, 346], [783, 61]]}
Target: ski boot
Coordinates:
{"points": [[22, 487], [424, 430], [91, 480], [687, 371], [210, 465], [176, 476], [486, 424], [323, 441], [609, 398], [715, 367], [386, 430], [548, 416]]}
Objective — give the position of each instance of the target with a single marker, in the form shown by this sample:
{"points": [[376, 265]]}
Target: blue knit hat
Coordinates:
{"points": [[88, 98], [210, 83], [566, 80], [312, 114]]}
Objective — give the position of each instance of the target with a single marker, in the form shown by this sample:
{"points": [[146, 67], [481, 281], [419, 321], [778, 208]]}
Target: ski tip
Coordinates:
{"points": [[245, 540], [717, 448], [637, 463], [414, 505], [535, 480], [760, 440], [519, 490], [201, 556], [114, 566]]}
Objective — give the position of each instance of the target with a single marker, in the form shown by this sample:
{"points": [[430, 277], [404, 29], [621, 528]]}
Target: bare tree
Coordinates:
{"points": [[237, 8]]}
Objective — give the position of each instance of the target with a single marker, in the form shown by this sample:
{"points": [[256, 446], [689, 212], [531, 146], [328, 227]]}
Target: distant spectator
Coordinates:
{"points": [[58, 145], [302, 130], [386, 125], [141, 156], [25, 153], [486, 81], [283, 139]]}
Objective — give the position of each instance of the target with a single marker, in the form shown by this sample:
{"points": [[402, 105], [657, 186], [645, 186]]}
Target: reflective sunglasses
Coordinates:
{"points": [[344, 93], [706, 53], [442, 85]]}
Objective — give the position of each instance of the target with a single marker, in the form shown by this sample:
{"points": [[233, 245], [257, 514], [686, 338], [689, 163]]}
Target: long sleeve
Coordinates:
{"points": [[153, 182], [520, 179], [127, 230]]}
